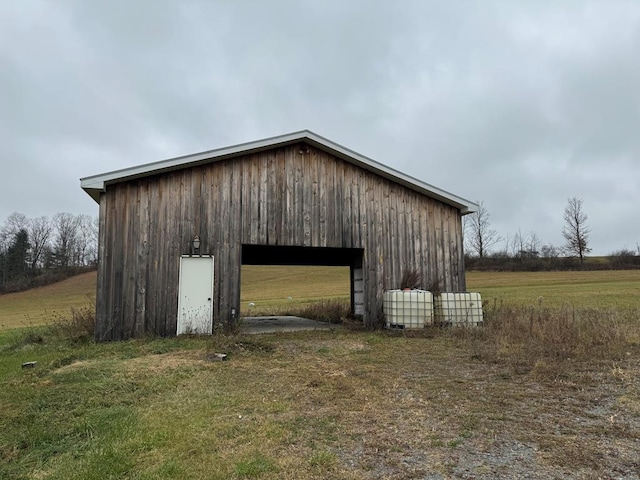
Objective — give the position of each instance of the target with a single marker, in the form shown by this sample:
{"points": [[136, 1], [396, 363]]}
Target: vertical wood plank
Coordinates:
{"points": [[307, 197], [235, 249], [262, 209], [254, 198], [142, 253], [446, 244], [315, 198], [351, 219], [274, 195], [323, 159], [287, 222], [340, 206], [176, 245], [117, 271]]}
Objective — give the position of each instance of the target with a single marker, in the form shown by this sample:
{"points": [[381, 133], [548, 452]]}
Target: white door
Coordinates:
{"points": [[195, 295]]}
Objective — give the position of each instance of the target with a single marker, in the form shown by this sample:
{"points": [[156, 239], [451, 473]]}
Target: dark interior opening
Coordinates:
{"points": [[287, 255]]}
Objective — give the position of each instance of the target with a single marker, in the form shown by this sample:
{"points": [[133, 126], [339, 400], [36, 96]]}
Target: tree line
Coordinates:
{"points": [[526, 251], [36, 251]]}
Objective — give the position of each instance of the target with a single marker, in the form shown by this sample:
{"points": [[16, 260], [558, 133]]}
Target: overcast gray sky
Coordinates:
{"points": [[518, 104]]}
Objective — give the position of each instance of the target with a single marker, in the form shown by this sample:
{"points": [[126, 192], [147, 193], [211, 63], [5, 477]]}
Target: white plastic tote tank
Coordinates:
{"points": [[407, 309], [458, 309]]}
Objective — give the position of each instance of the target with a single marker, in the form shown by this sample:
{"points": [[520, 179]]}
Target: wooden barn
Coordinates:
{"points": [[174, 234]]}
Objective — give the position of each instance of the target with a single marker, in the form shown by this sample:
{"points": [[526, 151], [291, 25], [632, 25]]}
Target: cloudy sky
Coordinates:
{"points": [[518, 104]]}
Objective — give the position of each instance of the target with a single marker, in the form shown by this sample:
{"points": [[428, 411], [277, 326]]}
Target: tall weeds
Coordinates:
{"points": [[541, 337], [332, 311], [78, 325]]}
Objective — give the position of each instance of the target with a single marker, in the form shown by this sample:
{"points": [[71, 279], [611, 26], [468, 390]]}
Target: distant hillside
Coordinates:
{"points": [[40, 305]]}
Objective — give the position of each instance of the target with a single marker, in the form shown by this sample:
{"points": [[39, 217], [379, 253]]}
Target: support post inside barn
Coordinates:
{"points": [[295, 199]]}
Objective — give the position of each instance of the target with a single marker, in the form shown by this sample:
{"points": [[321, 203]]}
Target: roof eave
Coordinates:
{"points": [[100, 181], [96, 184]]}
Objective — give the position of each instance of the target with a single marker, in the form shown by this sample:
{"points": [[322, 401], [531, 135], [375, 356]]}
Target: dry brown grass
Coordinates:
{"points": [[544, 339], [387, 405], [76, 325], [332, 311]]}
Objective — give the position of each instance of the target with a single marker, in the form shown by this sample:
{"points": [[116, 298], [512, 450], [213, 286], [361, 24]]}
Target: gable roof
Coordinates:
{"points": [[96, 184]]}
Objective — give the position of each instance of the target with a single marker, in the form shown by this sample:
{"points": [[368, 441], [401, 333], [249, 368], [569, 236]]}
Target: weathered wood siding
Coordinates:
{"points": [[295, 195]]}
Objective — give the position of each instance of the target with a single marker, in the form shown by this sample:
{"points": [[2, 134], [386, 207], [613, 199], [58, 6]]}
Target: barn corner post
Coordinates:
{"points": [[100, 333], [462, 269]]}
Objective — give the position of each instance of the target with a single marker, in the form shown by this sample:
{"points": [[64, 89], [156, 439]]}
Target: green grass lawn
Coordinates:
{"points": [[310, 405]]}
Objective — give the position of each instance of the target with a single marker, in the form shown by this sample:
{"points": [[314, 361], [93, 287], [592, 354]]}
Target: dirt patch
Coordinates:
{"points": [[470, 420]]}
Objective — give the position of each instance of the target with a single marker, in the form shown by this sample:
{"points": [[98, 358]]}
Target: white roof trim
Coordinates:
{"points": [[96, 184]]}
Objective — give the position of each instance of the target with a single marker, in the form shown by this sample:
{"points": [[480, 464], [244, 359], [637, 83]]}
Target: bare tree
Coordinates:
{"points": [[525, 245], [505, 252], [480, 237], [12, 225], [519, 244], [549, 251], [575, 231], [39, 232], [15, 222], [65, 244], [534, 243], [86, 240]]}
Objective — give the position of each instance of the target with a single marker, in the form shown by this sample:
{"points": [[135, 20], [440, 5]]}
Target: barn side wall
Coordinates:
{"points": [[295, 195]]}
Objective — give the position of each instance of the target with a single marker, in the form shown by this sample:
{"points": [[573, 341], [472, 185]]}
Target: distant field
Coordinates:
{"points": [[606, 288], [269, 288], [41, 305]]}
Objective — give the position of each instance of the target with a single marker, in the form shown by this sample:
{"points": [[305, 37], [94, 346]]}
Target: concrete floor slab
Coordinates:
{"points": [[287, 323]]}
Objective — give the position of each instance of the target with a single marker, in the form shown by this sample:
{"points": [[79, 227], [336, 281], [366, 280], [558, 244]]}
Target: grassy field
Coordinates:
{"points": [[42, 305], [269, 287], [591, 289]]}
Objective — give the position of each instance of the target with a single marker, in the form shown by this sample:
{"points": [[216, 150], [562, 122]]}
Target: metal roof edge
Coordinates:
{"points": [[128, 173], [96, 184]]}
